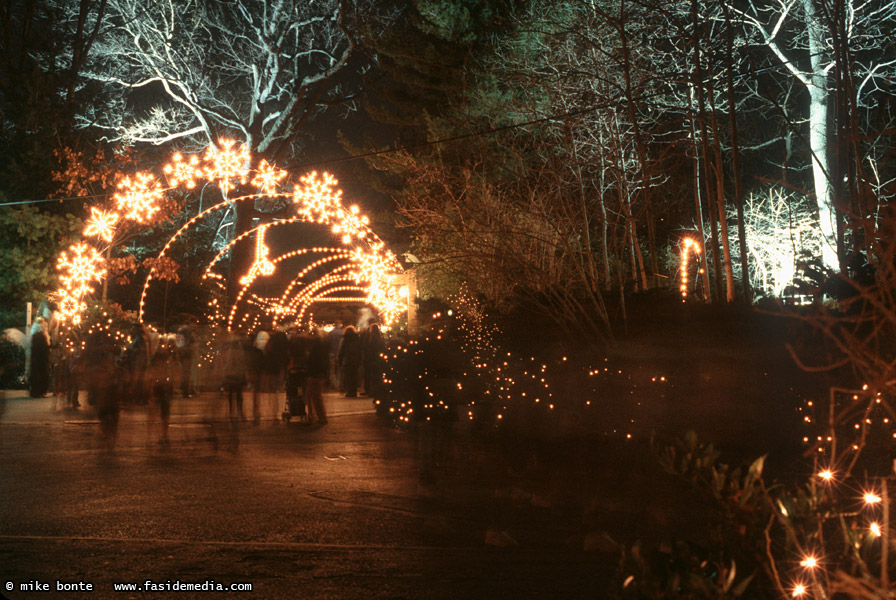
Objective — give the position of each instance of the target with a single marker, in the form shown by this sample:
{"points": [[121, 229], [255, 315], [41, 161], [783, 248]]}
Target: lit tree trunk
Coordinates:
{"points": [[604, 232], [719, 172], [704, 152], [816, 82], [639, 146], [735, 162], [242, 254], [698, 204], [586, 221]]}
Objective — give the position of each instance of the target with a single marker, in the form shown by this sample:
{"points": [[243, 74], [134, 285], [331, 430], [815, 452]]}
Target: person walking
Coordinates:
{"points": [[371, 350], [186, 343], [334, 340], [276, 361], [297, 372], [39, 379], [349, 360], [102, 375], [317, 369], [255, 372], [137, 362], [235, 376], [161, 380]]}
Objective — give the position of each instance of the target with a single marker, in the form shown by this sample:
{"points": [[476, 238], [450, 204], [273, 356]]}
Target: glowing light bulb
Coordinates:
{"points": [[871, 498]]}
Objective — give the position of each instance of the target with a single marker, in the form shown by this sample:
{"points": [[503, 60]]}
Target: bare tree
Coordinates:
{"points": [[191, 72], [254, 70], [801, 35]]}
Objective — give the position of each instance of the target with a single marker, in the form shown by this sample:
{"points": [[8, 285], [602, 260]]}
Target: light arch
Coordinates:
{"points": [[314, 199]]}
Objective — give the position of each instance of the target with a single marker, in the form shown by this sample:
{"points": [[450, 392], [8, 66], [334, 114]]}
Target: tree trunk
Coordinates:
{"points": [[704, 152], [704, 270], [818, 137], [719, 172], [639, 148], [735, 162], [241, 253]]}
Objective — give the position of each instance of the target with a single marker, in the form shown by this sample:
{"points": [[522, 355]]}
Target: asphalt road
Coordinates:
{"points": [[296, 511]]}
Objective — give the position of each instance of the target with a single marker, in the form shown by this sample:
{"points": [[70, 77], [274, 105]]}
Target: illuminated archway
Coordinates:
{"points": [[361, 259]]}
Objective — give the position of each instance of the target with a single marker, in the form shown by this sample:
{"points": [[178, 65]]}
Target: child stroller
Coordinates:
{"points": [[295, 400]]}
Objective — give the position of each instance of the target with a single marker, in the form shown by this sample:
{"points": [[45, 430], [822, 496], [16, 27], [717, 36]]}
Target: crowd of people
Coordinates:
{"points": [[271, 370]]}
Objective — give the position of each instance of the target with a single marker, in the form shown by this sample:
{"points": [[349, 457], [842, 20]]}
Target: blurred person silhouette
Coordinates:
{"points": [[161, 381], [235, 375], [66, 370], [318, 367], [75, 373], [103, 374], [276, 362], [334, 340], [254, 372], [39, 378], [137, 361], [297, 373], [349, 360], [372, 347], [186, 343]]}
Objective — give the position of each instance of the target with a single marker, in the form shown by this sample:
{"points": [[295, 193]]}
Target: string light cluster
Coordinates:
{"points": [[689, 245], [839, 528], [847, 423], [495, 387]]}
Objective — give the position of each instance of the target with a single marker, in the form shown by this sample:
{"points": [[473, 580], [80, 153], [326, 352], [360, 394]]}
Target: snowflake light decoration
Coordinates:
{"points": [[101, 224], [227, 164], [139, 198], [351, 224], [267, 178], [183, 172], [317, 198], [80, 266]]}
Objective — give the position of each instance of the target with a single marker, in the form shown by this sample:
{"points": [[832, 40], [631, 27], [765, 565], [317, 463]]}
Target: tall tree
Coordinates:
{"points": [[800, 35]]}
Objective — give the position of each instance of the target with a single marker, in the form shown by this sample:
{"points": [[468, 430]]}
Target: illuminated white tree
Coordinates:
{"points": [[812, 40], [781, 230], [192, 70]]}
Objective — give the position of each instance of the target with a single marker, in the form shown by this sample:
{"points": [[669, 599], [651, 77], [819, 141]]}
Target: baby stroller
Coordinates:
{"points": [[295, 400]]}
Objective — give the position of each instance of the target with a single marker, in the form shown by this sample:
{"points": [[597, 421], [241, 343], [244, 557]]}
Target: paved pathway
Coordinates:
{"points": [[297, 511]]}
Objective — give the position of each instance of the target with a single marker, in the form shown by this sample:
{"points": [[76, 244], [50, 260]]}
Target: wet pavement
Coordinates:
{"points": [[293, 510]]}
